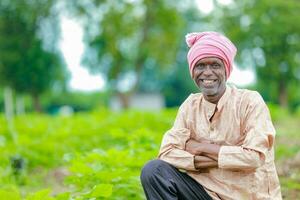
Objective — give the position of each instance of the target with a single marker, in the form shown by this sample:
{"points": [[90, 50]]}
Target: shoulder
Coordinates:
{"points": [[192, 99], [252, 101], [251, 97]]}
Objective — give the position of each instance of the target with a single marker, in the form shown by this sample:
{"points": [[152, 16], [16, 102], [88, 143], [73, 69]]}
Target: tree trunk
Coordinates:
{"points": [[36, 103], [141, 57], [283, 95], [145, 36], [9, 113], [8, 103], [124, 98], [20, 110]]}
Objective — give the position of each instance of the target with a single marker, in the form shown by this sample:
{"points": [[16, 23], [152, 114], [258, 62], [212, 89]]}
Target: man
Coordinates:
{"points": [[221, 143]]}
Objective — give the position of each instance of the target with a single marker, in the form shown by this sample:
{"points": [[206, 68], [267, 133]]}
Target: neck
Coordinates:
{"points": [[214, 98]]}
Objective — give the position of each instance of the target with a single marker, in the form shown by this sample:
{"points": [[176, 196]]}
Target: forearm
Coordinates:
{"points": [[203, 148], [237, 157], [179, 158], [212, 156], [204, 162], [210, 150], [172, 149], [230, 157]]}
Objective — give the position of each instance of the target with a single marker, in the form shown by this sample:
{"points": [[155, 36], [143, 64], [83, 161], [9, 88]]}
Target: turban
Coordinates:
{"points": [[210, 44]]}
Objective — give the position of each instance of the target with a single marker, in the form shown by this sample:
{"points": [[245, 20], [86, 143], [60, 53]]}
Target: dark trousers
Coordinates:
{"points": [[161, 180]]}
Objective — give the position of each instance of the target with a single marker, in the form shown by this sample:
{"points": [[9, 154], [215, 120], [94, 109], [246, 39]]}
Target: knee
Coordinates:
{"points": [[151, 169]]}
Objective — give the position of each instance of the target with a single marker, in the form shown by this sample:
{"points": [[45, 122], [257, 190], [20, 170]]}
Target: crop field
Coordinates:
{"points": [[99, 155]]}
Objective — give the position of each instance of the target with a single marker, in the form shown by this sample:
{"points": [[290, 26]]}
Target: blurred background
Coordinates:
{"points": [[106, 76]]}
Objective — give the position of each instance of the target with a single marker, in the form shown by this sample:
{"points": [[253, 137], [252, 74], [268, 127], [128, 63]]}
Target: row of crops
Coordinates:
{"points": [[96, 155]]}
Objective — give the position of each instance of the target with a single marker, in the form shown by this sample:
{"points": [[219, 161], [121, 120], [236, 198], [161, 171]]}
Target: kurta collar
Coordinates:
{"points": [[210, 108]]}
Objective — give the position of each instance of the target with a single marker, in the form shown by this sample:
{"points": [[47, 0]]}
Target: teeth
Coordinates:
{"points": [[208, 81]]}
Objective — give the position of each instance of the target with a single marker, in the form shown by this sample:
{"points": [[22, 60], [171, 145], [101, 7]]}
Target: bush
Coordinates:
{"points": [[277, 112], [103, 153]]}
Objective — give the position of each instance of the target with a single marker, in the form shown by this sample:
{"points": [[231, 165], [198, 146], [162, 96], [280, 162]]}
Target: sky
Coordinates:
{"points": [[81, 80], [72, 48]]}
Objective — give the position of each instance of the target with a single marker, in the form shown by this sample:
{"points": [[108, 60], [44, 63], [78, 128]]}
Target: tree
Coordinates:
{"points": [[124, 37], [268, 37], [38, 72], [27, 64]]}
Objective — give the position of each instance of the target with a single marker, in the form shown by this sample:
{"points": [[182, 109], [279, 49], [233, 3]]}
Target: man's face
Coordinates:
{"points": [[209, 75]]}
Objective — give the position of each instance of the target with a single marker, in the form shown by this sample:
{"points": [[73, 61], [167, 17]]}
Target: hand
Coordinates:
{"points": [[202, 162], [202, 140], [203, 147], [196, 146], [193, 146]]}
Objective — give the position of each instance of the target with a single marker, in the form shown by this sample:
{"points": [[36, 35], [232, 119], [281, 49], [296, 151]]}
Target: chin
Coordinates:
{"points": [[211, 94], [208, 91]]}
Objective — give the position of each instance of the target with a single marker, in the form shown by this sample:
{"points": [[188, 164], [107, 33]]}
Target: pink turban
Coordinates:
{"points": [[210, 44]]}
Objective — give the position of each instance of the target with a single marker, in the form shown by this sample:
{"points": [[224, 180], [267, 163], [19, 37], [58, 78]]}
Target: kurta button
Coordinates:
{"points": [[211, 128]]}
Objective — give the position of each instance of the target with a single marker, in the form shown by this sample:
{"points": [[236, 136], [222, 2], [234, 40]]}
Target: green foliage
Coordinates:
{"points": [[101, 190], [286, 151], [79, 101], [30, 62], [297, 111], [290, 187], [293, 184], [267, 36], [10, 193], [126, 37], [97, 155], [277, 113], [103, 152], [43, 194]]}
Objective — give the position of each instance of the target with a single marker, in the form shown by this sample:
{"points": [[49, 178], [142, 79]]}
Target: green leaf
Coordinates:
{"points": [[101, 190], [11, 194], [40, 195], [63, 196]]}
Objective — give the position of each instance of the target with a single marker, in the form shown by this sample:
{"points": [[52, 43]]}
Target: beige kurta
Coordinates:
{"points": [[241, 123]]}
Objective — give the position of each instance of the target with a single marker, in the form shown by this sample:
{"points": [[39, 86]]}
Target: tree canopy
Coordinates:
{"points": [[268, 38], [29, 61]]}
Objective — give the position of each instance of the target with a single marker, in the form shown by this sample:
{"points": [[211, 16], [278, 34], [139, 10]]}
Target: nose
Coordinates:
{"points": [[207, 71]]}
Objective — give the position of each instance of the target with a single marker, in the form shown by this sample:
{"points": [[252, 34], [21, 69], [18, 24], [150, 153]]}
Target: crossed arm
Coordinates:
{"points": [[249, 153], [206, 153]]}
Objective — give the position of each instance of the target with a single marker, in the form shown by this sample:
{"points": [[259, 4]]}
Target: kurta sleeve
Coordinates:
{"points": [[259, 136], [172, 148]]}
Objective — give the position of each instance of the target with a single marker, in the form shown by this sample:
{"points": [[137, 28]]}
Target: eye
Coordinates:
{"points": [[216, 66], [200, 66]]}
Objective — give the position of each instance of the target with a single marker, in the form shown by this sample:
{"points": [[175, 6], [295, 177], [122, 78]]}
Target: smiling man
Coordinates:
{"points": [[221, 144]]}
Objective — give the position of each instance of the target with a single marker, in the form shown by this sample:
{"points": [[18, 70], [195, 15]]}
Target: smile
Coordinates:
{"points": [[208, 81]]}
